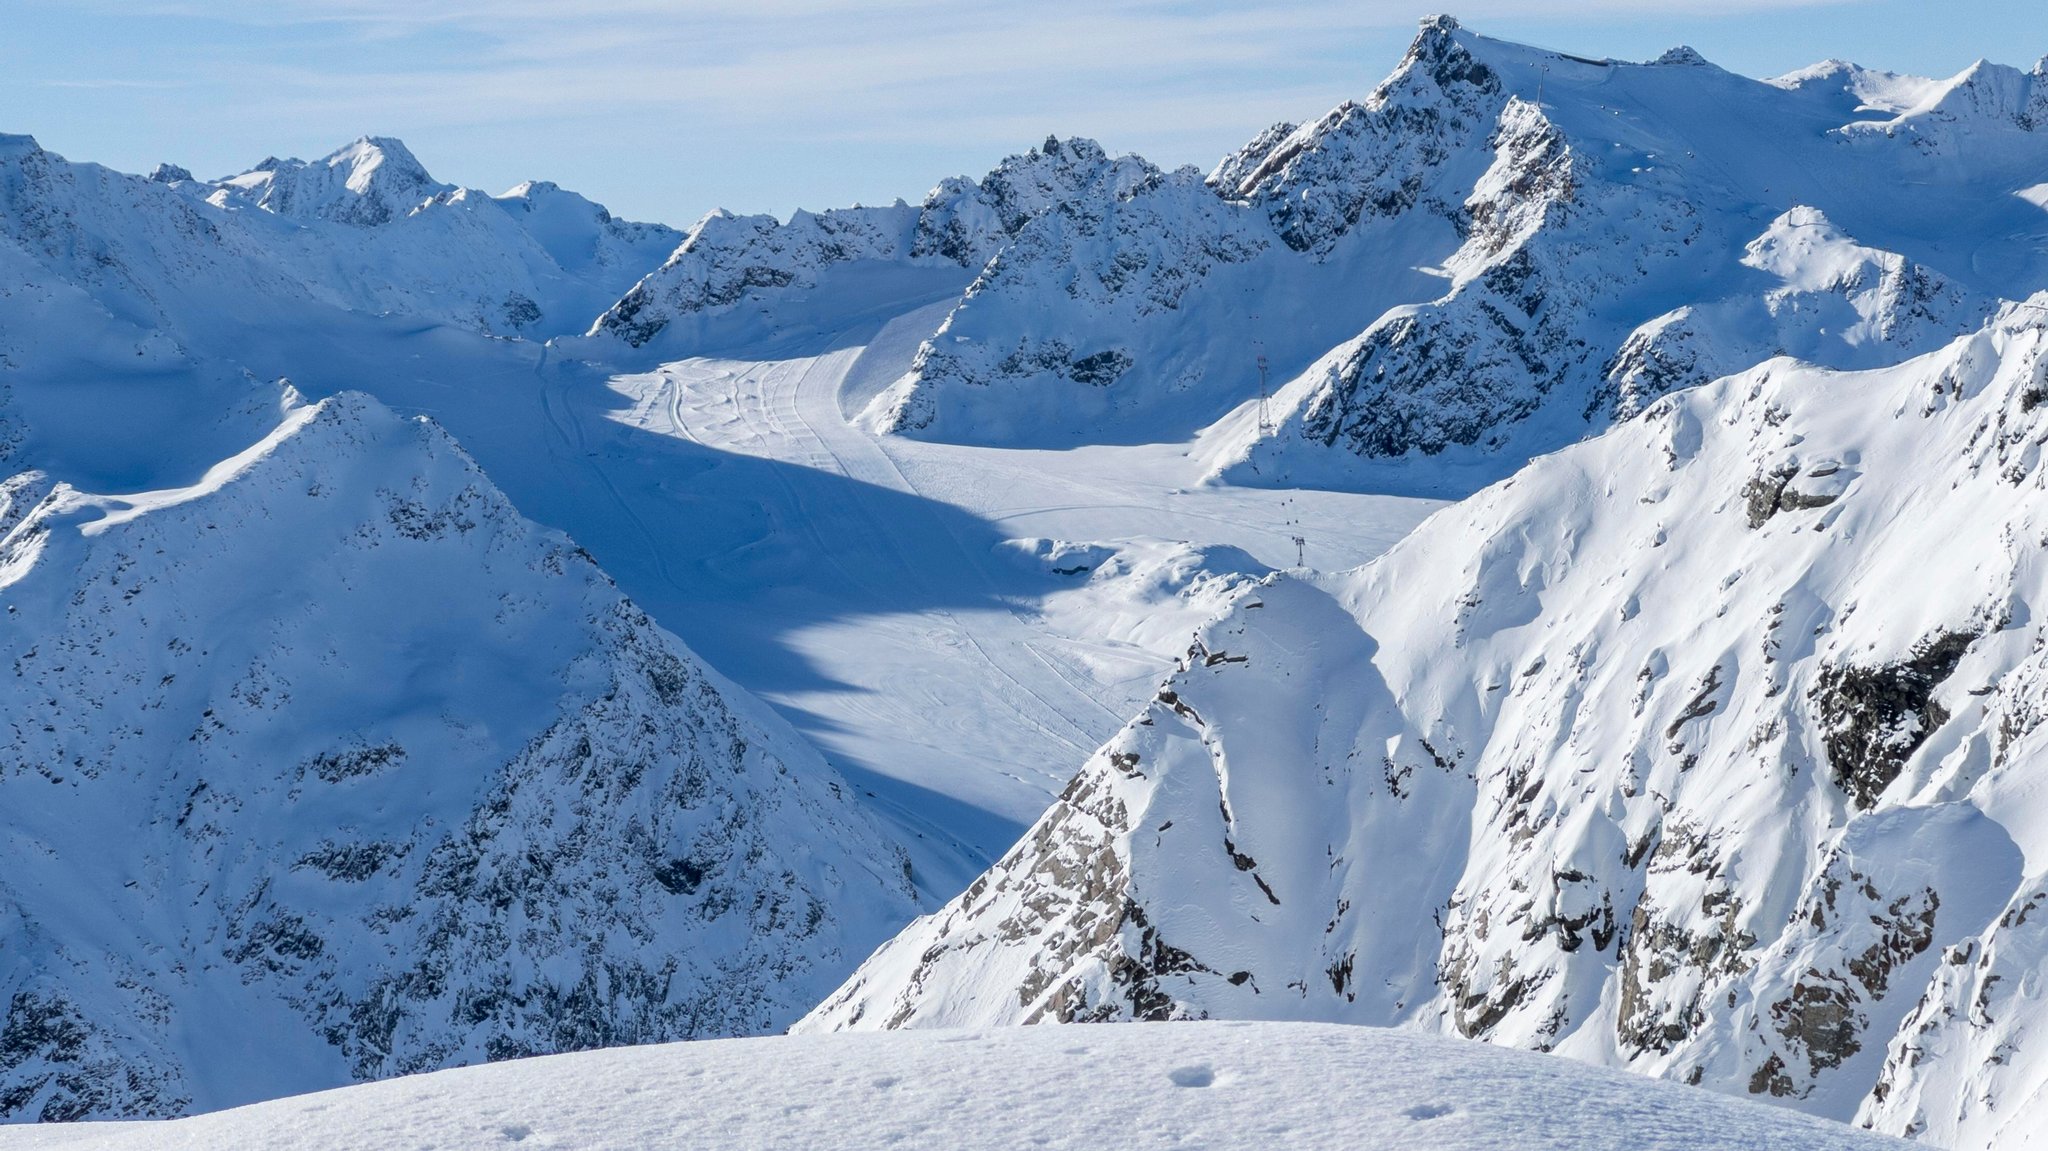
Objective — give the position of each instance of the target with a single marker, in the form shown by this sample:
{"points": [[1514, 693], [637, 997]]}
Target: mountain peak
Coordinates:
{"points": [[371, 180], [378, 159], [1442, 52], [1683, 56], [13, 146]]}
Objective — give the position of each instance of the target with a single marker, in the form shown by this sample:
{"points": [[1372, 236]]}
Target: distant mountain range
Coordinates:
{"points": [[1695, 740]]}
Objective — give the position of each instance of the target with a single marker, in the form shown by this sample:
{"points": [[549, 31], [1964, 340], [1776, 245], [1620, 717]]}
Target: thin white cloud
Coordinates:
{"points": [[1177, 79], [769, 61]]}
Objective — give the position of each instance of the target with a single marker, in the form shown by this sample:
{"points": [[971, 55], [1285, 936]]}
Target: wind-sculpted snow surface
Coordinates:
{"points": [[331, 766], [1705, 748], [741, 278], [1192, 1087], [1494, 254]]}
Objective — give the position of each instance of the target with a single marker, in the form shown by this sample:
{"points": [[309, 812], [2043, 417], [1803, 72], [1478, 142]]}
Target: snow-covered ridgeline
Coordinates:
{"points": [[739, 277], [331, 766], [1704, 748], [1139, 316], [1492, 255], [102, 264]]}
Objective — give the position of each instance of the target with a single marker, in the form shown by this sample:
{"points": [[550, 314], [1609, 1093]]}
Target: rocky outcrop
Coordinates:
{"points": [[1837, 302], [1378, 158]]}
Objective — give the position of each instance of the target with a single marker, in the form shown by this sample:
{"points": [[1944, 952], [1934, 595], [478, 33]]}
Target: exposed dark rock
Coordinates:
{"points": [[56, 1067], [1874, 719]]}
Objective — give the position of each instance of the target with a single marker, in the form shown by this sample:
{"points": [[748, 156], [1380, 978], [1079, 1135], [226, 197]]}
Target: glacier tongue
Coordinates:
{"points": [[332, 766], [1700, 748]]}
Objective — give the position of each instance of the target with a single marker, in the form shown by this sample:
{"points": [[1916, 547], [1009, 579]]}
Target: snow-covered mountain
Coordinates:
{"points": [[1703, 748], [331, 766], [1698, 749], [1495, 253], [1193, 1087], [1644, 227], [737, 280], [369, 182], [100, 264]]}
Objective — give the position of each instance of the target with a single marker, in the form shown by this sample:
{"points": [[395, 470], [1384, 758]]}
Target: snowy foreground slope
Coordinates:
{"points": [[1220, 1086], [332, 766], [1705, 748]]}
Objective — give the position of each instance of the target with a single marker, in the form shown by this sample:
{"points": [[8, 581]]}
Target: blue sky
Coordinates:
{"points": [[664, 109]]}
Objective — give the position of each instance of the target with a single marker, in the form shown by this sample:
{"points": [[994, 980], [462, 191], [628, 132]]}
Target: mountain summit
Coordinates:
{"points": [[372, 181]]}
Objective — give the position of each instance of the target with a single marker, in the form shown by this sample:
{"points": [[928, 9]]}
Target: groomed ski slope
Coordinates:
{"points": [[1188, 1086]]}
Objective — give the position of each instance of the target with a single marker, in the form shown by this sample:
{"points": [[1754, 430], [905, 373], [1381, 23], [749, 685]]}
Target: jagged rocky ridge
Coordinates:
{"points": [[740, 278], [1615, 197], [1703, 748], [332, 767], [1495, 253]]}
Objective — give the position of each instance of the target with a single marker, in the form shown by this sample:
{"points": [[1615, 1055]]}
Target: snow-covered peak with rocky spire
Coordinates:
{"points": [[738, 279], [1528, 215]]}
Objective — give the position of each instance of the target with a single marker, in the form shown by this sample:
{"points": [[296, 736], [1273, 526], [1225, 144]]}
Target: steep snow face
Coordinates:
{"points": [[1130, 263], [1836, 302], [1704, 748], [727, 261], [331, 766], [1494, 254], [1210, 1086], [739, 279], [93, 260], [1938, 117]]}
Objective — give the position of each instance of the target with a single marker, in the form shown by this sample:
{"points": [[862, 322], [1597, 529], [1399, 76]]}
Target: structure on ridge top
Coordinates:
{"points": [[1265, 412]]}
